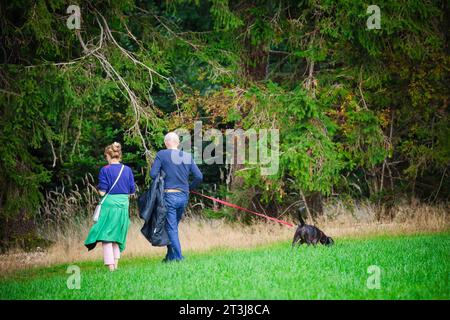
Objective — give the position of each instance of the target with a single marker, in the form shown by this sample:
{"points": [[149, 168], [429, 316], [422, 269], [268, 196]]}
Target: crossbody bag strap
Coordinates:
{"points": [[117, 179]]}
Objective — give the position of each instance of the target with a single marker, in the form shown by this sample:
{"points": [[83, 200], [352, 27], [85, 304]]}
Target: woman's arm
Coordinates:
{"points": [[131, 183], [102, 186]]}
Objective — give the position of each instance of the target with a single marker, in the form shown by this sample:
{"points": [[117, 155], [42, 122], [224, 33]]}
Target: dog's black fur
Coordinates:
{"points": [[308, 234]]}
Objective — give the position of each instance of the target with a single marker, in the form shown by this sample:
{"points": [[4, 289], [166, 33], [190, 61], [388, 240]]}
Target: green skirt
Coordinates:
{"points": [[112, 225]]}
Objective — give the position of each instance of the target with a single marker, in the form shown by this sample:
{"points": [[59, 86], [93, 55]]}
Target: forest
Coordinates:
{"points": [[362, 113]]}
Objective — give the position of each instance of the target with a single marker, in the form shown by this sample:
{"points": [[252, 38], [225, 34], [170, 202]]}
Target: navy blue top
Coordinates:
{"points": [[177, 165], [108, 175]]}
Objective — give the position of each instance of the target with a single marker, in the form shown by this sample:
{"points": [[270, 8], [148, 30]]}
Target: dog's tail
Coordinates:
{"points": [[301, 209]]}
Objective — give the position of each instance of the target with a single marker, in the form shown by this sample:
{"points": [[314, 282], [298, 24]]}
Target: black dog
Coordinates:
{"points": [[308, 234]]}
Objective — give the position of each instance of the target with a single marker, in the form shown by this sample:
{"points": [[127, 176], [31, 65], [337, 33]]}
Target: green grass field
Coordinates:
{"points": [[412, 267]]}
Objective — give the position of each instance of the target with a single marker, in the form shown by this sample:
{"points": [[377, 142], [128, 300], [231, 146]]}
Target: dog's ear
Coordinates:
{"points": [[330, 241]]}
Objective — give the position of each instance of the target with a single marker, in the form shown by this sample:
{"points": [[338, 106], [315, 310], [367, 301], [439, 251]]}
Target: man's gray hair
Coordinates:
{"points": [[172, 137]]}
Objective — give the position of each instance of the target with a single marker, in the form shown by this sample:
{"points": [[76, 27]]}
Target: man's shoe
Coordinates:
{"points": [[165, 260]]}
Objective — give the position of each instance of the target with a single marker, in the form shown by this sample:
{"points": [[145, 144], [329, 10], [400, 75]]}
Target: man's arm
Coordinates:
{"points": [[155, 167], [198, 176]]}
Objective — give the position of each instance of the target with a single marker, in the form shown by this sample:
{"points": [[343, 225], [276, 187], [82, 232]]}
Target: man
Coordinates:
{"points": [[178, 166]]}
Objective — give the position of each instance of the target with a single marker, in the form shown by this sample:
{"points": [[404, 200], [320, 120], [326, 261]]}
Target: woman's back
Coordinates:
{"points": [[108, 174]]}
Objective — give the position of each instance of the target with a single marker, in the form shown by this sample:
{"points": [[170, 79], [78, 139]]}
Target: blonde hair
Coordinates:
{"points": [[114, 151]]}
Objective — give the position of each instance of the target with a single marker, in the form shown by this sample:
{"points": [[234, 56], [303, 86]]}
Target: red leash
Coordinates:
{"points": [[240, 208]]}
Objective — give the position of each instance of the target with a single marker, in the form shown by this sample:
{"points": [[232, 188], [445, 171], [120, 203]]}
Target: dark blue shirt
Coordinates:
{"points": [[108, 175], [178, 166]]}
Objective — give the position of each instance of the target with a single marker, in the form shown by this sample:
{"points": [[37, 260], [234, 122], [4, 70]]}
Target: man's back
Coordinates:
{"points": [[177, 165]]}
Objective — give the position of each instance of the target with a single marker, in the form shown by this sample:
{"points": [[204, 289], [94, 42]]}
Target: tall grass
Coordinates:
{"points": [[65, 219]]}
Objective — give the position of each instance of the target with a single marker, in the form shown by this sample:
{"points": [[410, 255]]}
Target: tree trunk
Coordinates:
{"points": [[315, 204], [256, 61]]}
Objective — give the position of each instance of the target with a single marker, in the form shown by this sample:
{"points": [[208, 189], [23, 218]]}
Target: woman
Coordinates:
{"points": [[112, 225]]}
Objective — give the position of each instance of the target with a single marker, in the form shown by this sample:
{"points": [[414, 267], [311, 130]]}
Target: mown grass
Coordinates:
{"points": [[412, 267]]}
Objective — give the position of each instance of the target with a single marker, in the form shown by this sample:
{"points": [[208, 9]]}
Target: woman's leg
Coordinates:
{"points": [[116, 252], [108, 255]]}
